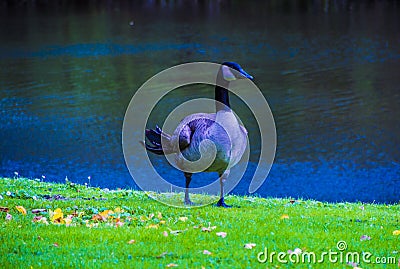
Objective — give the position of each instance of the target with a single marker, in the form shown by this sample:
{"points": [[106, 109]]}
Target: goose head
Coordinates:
{"points": [[228, 75], [229, 71]]}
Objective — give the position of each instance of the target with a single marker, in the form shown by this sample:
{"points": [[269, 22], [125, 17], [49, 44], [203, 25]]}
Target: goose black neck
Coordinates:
{"points": [[221, 96]]}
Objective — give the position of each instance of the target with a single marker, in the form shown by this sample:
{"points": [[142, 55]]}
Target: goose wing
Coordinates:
{"points": [[196, 123]]}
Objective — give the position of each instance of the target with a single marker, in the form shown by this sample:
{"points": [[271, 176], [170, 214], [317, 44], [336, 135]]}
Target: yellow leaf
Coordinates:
{"points": [[118, 210], [152, 226], [184, 219], [159, 215], [106, 213], [396, 232], [285, 216], [172, 265], [162, 222], [21, 209], [56, 216], [131, 241]]}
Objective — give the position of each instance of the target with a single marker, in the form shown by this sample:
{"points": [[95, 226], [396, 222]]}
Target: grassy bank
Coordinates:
{"points": [[47, 225]]}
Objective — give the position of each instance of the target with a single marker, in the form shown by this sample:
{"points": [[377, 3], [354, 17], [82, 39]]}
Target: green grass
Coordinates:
{"points": [[85, 240]]}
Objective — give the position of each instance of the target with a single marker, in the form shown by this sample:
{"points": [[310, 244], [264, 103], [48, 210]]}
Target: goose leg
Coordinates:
{"points": [[188, 177], [222, 178]]}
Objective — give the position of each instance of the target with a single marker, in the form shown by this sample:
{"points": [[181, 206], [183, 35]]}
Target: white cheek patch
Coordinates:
{"points": [[227, 73]]}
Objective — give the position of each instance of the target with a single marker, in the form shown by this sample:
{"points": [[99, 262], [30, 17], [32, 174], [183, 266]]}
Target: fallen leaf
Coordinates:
{"points": [[56, 216], [221, 234], [285, 216], [206, 252], [249, 245], [162, 255], [118, 210], [172, 265], [162, 222], [37, 218], [209, 228], [106, 214], [118, 224], [132, 241], [68, 220], [184, 219], [38, 210], [8, 217], [55, 245], [91, 225], [98, 217], [365, 237], [40, 219], [159, 215], [4, 209], [296, 251], [165, 233], [354, 264], [176, 232], [152, 226], [151, 216], [396, 232], [21, 209]]}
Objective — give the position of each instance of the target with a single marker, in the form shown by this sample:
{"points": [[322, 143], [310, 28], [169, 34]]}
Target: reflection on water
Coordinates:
{"points": [[329, 71]]}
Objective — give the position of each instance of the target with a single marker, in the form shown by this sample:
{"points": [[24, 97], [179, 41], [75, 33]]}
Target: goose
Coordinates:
{"points": [[186, 140]]}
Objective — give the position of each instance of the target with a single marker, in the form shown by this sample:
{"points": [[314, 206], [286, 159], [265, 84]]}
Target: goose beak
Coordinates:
{"points": [[245, 75]]}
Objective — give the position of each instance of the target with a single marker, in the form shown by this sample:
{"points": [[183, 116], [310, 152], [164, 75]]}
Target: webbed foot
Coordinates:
{"points": [[221, 203]]}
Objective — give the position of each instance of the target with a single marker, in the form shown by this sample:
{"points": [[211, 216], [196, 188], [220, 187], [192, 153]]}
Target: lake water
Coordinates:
{"points": [[330, 71]]}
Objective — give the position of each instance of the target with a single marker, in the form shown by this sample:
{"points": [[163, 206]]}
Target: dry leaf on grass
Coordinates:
{"points": [[206, 252], [221, 234], [249, 245], [21, 209]]}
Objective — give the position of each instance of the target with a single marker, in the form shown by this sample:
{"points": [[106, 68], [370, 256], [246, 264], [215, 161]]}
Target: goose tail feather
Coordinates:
{"points": [[154, 136]]}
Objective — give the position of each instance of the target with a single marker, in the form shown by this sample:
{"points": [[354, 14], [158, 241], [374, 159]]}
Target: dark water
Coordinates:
{"points": [[330, 71]]}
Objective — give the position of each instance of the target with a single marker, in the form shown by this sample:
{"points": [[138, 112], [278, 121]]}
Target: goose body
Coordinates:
{"points": [[200, 134], [197, 127]]}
